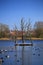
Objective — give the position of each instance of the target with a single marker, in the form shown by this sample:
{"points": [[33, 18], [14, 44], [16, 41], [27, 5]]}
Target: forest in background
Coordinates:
{"points": [[26, 30]]}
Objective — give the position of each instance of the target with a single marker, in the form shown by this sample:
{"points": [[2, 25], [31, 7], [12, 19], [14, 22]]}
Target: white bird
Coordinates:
{"points": [[8, 56], [2, 50], [5, 50]]}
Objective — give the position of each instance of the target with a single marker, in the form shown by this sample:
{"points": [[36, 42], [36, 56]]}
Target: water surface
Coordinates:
{"points": [[19, 55]]}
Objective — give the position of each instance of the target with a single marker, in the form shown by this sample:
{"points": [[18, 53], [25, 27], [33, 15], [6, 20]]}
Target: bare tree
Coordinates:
{"points": [[29, 28], [22, 28], [38, 27], [15, 30]]}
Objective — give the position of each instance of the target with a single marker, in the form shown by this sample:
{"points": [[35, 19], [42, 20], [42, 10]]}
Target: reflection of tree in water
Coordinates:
{"points": [[15, 40], [23, 28]]}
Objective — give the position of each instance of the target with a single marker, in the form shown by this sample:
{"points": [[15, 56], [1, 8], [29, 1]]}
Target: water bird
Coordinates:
{"points": [[2, 61], [1, 57], [15, 55], [1, 50], [7, 56], [38, 54], [5, 50], [33, 53], [17, 60]]}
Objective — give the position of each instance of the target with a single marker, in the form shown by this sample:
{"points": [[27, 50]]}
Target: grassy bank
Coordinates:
{"points": [[19, 38], [4, 39], [31, 38]]}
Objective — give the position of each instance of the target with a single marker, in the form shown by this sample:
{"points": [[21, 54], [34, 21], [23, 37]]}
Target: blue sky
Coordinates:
{"points": [[11, 11]]}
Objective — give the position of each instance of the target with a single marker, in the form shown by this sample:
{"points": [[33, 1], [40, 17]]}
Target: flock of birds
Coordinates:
{"points": [[8, 56], [1, 52], [36, 49]]}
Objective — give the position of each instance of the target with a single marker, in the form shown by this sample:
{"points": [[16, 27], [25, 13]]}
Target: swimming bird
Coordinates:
{"points": [[7, 56]]}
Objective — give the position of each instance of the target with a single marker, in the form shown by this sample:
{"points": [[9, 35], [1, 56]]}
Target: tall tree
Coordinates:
{"points": [[29, 29], [22, 29], [4, 30], [38, 27], [15, 33]]}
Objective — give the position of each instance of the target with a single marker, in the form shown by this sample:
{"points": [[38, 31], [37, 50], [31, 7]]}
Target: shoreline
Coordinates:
{"points": [[19, 38]]}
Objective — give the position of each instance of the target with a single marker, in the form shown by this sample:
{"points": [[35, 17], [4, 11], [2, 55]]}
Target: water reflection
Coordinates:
{"points": [[22, 55]]}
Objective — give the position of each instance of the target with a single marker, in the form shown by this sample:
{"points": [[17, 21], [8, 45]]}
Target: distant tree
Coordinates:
{"points": [[38, 27], [4, 30]]}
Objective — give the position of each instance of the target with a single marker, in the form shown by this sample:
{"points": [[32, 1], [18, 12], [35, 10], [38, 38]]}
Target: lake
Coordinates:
{"points": [[21, 55]]}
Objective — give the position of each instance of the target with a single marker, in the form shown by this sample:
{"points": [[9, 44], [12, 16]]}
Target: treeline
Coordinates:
{"points": [[26, 30], [38, 28], [4, 30]]}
